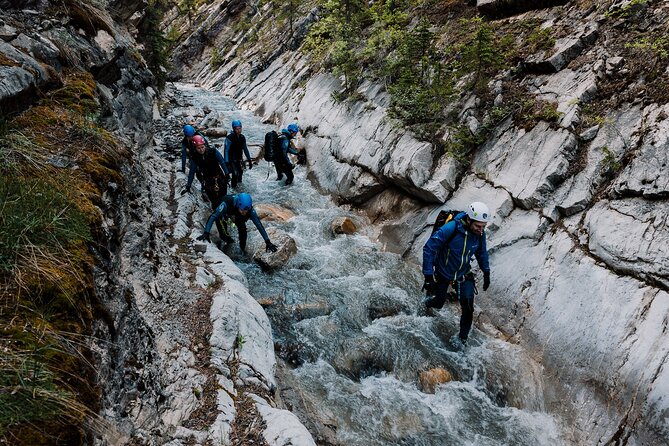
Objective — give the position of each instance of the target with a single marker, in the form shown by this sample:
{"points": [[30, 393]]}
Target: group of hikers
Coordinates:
{"points": [[457, 237], [214, 171]]}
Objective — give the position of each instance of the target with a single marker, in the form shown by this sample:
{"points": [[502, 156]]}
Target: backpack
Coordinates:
{"points": [[444, 217], [271, 145]]}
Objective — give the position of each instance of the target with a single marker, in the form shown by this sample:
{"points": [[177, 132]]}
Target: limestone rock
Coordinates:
{"points": [[286, 248], [430, 379], [343, 225], [566, 49], [273, 212], [216, 132]]}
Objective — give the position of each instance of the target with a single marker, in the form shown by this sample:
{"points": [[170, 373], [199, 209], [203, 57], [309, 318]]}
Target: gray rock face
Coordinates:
{"points": [[648, 175], [565, 50], [529, 165]]}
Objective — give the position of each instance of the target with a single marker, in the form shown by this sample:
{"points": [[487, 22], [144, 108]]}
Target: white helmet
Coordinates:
{"points": [[479, 212]]}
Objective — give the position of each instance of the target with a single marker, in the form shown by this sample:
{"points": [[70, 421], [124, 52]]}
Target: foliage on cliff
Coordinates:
{"points": [[55, 164]]}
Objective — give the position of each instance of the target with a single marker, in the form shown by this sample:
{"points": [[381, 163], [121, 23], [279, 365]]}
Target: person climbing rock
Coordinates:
{"points": [[446, 262], [187, 146], [281, 161], [238, 209], [235, 144], [214, 174]]}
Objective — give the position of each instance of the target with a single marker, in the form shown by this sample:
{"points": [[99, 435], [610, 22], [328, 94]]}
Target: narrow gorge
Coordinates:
{"points": [[120, 327]]}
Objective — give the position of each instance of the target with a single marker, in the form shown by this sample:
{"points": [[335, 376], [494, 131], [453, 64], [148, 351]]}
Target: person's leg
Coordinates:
{"points": [[466, 296], [289, 175], [279, 169], [241, 229], [240, 172]]}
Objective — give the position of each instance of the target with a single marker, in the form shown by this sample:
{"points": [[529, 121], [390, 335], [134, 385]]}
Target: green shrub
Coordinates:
{"points": [[36, 213]]}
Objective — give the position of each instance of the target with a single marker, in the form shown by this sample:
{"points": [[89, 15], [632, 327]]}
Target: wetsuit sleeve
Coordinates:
{"points": [[184, 155], [291, 149], [256, 221], [221, 161], [226, 150], [218, 213], [191, 173], [434, 244], [246, 151], [481, 255]]}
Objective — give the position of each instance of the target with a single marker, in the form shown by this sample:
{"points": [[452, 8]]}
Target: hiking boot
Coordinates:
{"points": [[279, 178], [428, 308], [289, 181]]}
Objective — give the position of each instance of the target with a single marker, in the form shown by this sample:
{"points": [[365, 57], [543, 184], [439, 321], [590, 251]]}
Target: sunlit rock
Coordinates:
{"points": [[430, 379], [343, 225], [273, 212]]}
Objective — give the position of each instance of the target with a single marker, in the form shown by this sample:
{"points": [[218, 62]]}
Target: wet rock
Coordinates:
{"points": [[7, 32], [216, 132], [286, 248], [310, 310], [428, 380], [283, 427], [386, 305], [272, 212], [361, 357], [343, 225]]}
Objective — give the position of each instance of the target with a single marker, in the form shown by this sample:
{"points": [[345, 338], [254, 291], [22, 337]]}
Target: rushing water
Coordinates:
{"points": [[357, 372]]}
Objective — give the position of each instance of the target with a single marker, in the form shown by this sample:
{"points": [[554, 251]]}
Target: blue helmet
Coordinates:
{"points": [[236, 123], [293, 128], [244, 201], [189, 130]]}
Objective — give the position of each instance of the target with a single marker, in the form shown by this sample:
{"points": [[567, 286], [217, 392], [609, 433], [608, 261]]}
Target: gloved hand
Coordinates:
{"points": [[185, 191], [204, 236], [486, 280], [270, 247], [429, 286], [250, 165]]}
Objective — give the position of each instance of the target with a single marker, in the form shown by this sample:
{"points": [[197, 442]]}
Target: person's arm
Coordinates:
{"points": [[246, 152], [218, 213], [433, 245], [191, 174], [291, 148], [482, 259], [256, 221], [184, 154], [221, 162], [226, 150]]}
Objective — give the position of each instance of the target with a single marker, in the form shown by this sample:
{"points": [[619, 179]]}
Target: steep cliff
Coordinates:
{"points": [[562, 132]]}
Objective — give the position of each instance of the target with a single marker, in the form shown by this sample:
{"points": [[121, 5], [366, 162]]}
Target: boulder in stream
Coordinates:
{"points": [[430, 379], [343, 225], [286, 248], [272, 212], [216, 132]]}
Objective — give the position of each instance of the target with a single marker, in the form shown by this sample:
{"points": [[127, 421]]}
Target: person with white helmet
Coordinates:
{"points": [[446, 262]]}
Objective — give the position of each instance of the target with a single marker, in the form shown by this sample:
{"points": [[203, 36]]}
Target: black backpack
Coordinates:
{"points": [[444, 217], [271, 145]]}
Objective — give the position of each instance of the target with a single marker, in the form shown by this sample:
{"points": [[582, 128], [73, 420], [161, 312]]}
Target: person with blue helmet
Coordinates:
{"points": [[446, 262], [238, 209], [187, 147], [212, 172], [235, 145], [281, 161]]}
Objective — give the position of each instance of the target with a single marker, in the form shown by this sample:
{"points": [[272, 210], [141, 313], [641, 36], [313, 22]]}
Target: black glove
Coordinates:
{"points": [[204, 236], [270, 247], [250, 165], [185, 191], [429, 286], [486, 280]]}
